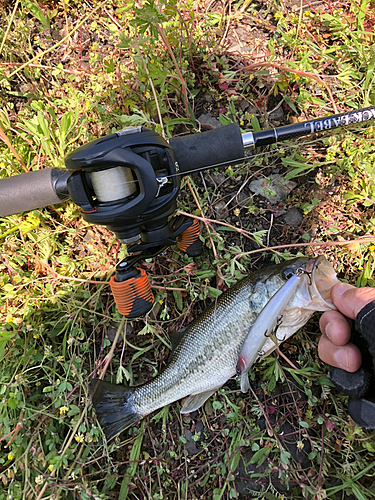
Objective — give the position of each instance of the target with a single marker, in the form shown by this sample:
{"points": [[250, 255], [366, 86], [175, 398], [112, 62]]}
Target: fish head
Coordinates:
{"points": [[317, 278]]}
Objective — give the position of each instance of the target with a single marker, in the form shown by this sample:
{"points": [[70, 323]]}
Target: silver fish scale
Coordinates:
{"points": [[208, 352]]}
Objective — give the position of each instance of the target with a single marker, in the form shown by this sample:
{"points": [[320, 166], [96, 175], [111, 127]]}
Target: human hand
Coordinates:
{"points": [[334, 347]]}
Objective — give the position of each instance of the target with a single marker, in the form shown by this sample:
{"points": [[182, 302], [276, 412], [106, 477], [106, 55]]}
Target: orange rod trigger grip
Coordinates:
{"points": [[133, 296], [189, 241]]}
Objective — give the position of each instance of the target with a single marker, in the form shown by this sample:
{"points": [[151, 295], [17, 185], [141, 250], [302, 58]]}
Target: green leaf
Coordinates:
{"points": [[178, 298], [214, 292], [34, 9], [260, 456], [234, 461], [285, 457], [5, 336], [216, 405], [133, 460]]}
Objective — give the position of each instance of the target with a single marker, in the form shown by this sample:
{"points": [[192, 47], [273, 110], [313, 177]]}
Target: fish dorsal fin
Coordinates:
{"points": [[176, 337], [195, 401]]}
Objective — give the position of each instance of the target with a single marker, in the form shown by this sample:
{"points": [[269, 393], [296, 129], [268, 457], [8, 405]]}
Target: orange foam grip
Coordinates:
{"points": [[133, 296], [189, 236]]}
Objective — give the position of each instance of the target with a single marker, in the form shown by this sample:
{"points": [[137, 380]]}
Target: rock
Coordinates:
{"points": [[56, 35], [221, 210], [274, 188], [298, 446], [293, 217], [277, 114], [208, 119], [191, 445], [24, 88], [218, 179], [244, 105], [112, 330]]}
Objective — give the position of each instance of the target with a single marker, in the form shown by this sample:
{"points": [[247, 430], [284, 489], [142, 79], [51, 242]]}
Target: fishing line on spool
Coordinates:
{"points": [[119, 179], [122, 184]]}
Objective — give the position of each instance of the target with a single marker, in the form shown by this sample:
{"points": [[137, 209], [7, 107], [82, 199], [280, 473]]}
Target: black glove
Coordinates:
{"points": [[360, 385]]}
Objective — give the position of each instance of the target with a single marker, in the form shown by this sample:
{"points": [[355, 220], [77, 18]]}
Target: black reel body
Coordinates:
{"points": [[127, 181]]}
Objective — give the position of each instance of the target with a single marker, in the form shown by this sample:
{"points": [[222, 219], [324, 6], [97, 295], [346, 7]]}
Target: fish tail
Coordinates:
{"points": [[114, 406]]}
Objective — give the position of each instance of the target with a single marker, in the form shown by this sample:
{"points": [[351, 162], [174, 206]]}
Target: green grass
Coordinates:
{"points": [[74, 71]]}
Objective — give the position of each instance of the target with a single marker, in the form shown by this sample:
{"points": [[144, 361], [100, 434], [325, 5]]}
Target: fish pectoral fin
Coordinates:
{"points": [[195, 401], [245, 382]]}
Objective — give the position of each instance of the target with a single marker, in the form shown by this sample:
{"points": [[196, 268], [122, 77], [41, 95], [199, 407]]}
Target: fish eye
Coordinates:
{"points": [[288, 273]]}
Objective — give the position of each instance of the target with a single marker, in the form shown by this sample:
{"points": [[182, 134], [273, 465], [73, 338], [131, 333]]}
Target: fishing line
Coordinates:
{"points": [[122, 185]]}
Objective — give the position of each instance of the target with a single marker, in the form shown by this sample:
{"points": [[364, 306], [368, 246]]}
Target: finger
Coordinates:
{"points": [[350, 300], [347, 357], [336, 327]]}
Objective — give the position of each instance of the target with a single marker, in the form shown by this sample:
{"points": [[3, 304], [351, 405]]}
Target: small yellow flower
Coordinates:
{"points": [[372, 248], [60, 358], [79, 438], [50, 467], [307, 14], [160, 302], [39, 479], [277, 15], [63, 410], [360, 268], [36, 335], [11, 455], [236, 212], [300, 445]]}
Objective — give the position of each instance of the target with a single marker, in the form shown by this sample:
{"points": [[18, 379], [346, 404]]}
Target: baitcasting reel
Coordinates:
{"points": [[129, 182]]}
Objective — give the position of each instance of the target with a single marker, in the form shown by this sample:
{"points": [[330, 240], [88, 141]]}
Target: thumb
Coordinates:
{"points": [[350, 300]]}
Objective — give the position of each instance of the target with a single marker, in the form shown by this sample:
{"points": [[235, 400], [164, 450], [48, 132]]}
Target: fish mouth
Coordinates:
{"points": [[323, 278]]}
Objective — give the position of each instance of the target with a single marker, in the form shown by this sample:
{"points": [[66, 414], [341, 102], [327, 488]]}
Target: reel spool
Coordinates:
{"points": [[128, 182]]}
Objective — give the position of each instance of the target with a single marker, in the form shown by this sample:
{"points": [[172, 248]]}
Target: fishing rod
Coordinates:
{"points": [[129, 182]]}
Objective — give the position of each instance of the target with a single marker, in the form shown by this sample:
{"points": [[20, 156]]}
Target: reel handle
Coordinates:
{"points": [[133, 296], [130, 287]]}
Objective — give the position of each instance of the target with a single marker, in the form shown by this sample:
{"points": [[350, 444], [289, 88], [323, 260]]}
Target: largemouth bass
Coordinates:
{"points": [[208, 351]]}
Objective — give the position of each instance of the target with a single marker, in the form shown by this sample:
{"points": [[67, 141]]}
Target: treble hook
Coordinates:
{"points": [[301, 271]]}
